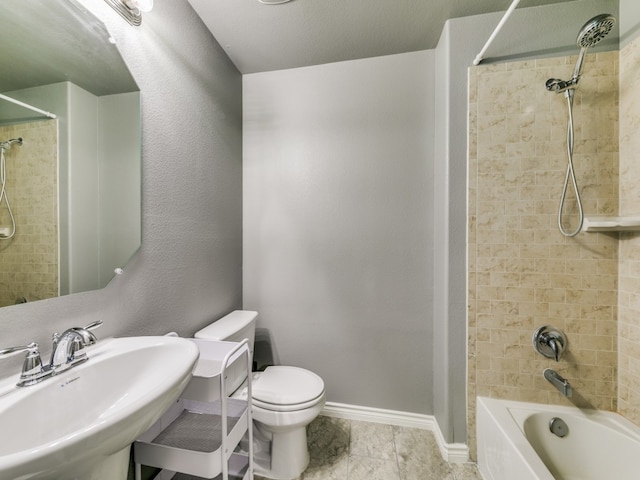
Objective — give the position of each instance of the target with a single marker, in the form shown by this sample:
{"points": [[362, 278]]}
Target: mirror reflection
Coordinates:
{"points": [[69, 152]]}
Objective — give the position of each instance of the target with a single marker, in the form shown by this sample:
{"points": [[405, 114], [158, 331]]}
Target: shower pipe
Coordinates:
{"points": [[506, 16], [27, 106]]}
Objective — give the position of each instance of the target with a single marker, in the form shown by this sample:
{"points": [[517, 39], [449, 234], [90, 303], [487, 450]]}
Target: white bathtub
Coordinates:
{"points": [[515, 443]]}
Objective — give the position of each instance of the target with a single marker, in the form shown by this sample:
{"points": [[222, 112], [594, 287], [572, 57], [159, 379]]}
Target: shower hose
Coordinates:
{"points": [[3, 195], [570, 175]]}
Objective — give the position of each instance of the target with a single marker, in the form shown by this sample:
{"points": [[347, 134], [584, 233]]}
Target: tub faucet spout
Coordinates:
{"points": [[559, 382]]}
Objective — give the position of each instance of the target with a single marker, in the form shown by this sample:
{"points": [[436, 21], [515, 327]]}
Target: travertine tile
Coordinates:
{"points": [[629, 277]]}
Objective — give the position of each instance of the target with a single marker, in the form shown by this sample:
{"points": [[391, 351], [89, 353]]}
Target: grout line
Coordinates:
{"points": [[349, 451], [394, 430]]}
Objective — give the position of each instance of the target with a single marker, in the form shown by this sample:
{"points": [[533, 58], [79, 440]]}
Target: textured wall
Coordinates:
{"points": [[29, 261], [338, 228], [189, 269], [522, 272], [629, 255]]}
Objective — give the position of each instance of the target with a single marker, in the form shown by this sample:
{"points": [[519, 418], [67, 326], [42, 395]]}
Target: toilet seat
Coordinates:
{"points": [[273, 407], [285, 389]]}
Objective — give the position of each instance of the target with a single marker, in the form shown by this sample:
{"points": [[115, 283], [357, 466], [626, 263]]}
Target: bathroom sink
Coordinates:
{"points": [[80, 424]]}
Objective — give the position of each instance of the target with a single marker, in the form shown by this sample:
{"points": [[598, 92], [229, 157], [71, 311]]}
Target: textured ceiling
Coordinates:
{"points": [[261, 37]]}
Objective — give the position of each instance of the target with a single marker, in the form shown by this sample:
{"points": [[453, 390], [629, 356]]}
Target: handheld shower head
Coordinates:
{"points": [[595, 30], [7, 145], [591, 33]]}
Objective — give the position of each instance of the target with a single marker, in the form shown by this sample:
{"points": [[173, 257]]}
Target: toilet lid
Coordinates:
{"points": [[282, 385]]}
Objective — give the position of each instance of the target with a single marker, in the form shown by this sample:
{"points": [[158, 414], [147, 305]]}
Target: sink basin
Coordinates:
{"points": [[80, 424]]}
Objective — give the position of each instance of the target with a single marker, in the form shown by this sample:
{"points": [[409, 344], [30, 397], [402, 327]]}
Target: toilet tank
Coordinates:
{"points": [[234, 327]]}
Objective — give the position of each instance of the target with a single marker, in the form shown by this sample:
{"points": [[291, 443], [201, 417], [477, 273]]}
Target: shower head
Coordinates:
{"points": [[595, 30], [591, 33], [7, 145]]}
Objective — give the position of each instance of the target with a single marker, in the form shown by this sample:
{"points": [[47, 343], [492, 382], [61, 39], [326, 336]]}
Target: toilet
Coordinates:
{"points": [[285, 400]]}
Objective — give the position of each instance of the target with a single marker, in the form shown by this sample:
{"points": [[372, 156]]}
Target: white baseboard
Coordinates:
{"points": [[451, 452]]}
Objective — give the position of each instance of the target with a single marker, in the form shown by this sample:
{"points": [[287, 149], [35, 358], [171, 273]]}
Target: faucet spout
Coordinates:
{"points": [[559, 382], [69, 347]]}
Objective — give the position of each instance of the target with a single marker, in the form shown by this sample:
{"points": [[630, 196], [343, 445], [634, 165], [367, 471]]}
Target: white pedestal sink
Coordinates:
{"points": [[79, 425]]}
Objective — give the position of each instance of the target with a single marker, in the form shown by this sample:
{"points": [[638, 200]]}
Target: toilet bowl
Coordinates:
{"points": [[285, 400]]}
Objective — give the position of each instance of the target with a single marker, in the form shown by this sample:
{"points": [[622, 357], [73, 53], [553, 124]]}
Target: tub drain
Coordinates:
{"points": [[558, 427]]}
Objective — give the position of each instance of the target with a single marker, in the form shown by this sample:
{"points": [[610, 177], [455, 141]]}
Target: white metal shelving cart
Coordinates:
{"points": [[198, 437]]}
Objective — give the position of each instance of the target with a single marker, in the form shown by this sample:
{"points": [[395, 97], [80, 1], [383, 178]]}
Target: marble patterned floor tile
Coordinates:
{"points": [[374, 440], [328, 441], [337, 470], [352, 450], [418, 455], [366, 468], [466, 471]]}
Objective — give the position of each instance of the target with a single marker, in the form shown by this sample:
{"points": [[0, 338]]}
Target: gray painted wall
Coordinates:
{"points": [[337, 227], [629, 21], [189, 269]]}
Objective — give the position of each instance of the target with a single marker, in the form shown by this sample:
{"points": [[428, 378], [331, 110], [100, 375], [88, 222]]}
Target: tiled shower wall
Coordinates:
{"points": [[522, 272], [29, 261], [629, 254]]}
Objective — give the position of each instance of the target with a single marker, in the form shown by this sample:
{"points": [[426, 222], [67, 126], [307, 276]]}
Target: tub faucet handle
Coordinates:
{"points": [[550, 342]]}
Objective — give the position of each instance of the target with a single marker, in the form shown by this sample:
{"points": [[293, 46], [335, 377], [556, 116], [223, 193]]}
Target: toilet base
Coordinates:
{"points": [[289, 453]]}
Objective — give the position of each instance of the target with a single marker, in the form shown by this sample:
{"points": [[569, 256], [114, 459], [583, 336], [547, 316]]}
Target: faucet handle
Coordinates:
{"points": [[549, 342], [94, 325], [32, 370], [88, 337], [24, 348]]}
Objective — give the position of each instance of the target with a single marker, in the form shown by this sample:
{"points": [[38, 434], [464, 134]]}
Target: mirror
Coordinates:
{"points": [[74, 183]]}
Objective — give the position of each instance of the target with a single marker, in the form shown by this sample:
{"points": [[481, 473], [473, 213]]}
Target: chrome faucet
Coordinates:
{"points": [[68, 351], [69, 347], [559, 382]]}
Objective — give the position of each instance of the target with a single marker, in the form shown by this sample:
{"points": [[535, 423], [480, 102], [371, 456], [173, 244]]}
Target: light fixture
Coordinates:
{"points": [[131, 10], [273, 2]]}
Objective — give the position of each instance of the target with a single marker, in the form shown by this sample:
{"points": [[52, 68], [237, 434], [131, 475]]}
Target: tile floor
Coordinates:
{"points": [[352, 450]]}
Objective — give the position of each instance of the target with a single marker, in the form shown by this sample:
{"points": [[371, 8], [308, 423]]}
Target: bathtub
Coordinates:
{"points": [[515, 443]]}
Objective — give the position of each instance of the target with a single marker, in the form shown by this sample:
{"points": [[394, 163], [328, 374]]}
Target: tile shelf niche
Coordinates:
{"points": [[629, 223]]}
